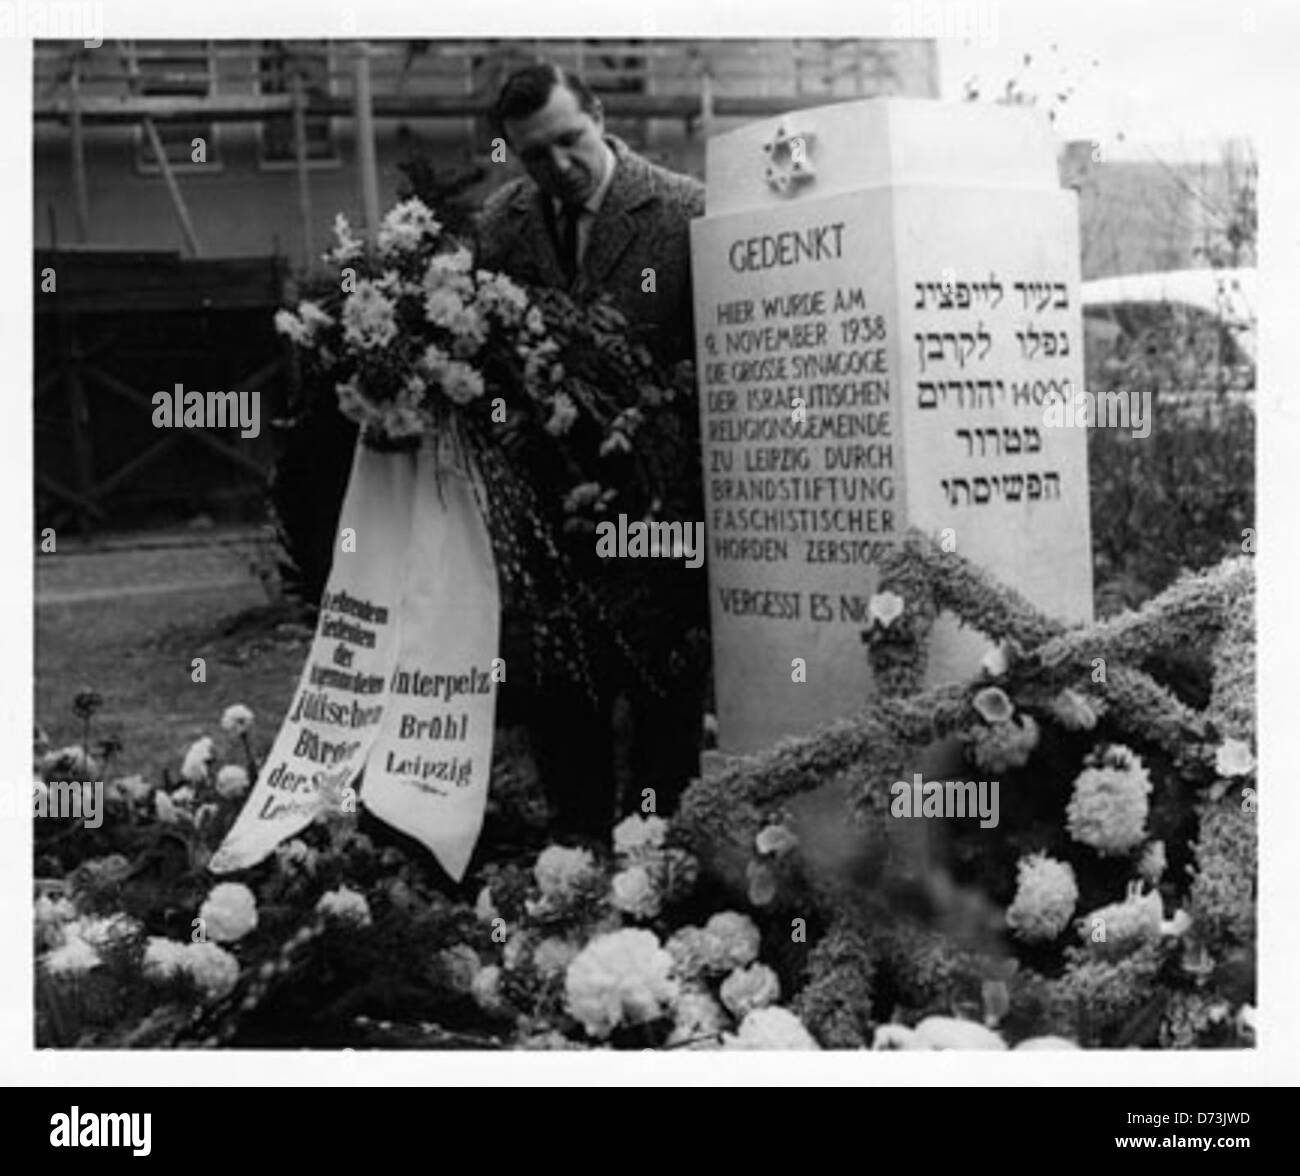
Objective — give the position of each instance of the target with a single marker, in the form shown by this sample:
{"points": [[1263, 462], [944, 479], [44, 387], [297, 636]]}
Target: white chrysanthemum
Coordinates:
{"points": [[1108, 810], [460, 964], [369, 317], [315, 319], [347, 246], [290, 325], [621, 977], [194, 768], [633, 892], [73, 957], [1045, 896], [563, 413], [750, 988], [405, 226], [232, 780], [700, 1021], [486, 990], [229, 912], [461, 383], [470, 331], [637, 837], [164, 958], [738, 938], [560, 870], [498, 295], [441, 306], [213, 969], [770, 1028], [237, 719], [553, 956], [345, 905]]}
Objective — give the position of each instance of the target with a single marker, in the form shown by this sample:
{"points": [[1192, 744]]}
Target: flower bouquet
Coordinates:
{"points": [[565, 415]]}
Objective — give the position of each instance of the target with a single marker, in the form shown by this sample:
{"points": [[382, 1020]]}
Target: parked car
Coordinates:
{"points": [[1190, 334]]}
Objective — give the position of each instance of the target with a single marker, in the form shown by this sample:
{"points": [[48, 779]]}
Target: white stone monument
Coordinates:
{"points": [[906, 272]]}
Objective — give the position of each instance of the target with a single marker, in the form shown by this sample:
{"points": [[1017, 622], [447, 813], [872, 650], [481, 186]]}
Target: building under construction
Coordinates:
{"points": [[179, 185]]}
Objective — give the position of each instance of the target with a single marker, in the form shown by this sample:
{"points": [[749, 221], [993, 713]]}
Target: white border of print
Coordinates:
{"points": [[1021, 23]]}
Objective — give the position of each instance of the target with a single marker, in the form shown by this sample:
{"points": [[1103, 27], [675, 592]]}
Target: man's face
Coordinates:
{"points": [[561, 147]]}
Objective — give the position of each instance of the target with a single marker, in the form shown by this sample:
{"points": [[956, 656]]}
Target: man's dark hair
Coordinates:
{"points": [[528, 89]]}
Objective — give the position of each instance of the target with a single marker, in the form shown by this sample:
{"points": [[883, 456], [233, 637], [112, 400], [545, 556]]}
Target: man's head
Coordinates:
{"points": [[556, 126]]}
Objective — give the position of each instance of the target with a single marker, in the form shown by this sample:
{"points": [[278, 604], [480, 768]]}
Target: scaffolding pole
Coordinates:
{"points": [[304, 182], [367, 166]]}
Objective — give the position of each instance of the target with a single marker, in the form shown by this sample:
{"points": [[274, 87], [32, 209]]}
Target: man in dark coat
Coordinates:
{"points": [[591, 217]]}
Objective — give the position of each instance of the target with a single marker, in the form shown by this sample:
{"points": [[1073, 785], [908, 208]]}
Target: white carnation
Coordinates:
{"points": [[164, 958], [637, 837], [238, 718], [738, 936], [620, 977], [345, 905], [770, 1028], [750, 988], [486, 990], [559, 871], [633, 892], [698, 1016], [212, 968], [195, 765], [232, 780], [73, 957], [229, 913], [552, 956]]}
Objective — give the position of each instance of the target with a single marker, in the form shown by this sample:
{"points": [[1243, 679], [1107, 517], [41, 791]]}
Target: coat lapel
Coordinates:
{"points": [[615, 225], [533, 238]]}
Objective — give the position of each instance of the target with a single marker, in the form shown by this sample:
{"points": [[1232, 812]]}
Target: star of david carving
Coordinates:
{"points": [[789, 158]]}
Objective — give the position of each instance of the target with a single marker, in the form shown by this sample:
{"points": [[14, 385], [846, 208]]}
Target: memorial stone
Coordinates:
{"points": [[886, 297]]}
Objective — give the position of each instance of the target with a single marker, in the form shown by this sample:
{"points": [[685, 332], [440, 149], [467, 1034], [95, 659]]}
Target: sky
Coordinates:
{"points": [[1181, 77]]}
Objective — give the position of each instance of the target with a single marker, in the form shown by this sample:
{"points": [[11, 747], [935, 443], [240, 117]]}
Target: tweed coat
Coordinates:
{"points": [[641, 224]]}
